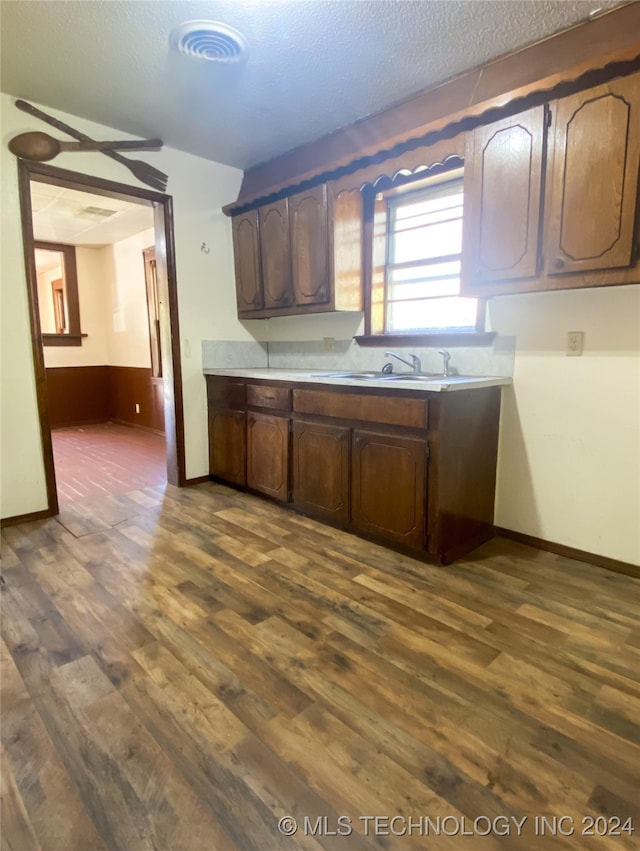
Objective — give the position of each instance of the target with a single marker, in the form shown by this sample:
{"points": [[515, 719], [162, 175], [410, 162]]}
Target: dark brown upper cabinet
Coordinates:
{"points": [[502, 201], [275, 254], [302, 254], [309, 246], [594, 179], [246, 250], [560, 212]]}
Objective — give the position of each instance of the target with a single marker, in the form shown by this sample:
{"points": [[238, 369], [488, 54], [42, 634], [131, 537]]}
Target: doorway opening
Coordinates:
{"points": [[102, 291]]}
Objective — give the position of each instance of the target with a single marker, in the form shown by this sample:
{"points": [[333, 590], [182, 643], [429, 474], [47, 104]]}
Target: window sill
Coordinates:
{"points": [[62, 339], [443, 338]]}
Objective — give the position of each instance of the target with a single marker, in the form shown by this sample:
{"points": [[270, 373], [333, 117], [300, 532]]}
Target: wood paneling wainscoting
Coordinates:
{"points": [[79, 395], [131, 385]]}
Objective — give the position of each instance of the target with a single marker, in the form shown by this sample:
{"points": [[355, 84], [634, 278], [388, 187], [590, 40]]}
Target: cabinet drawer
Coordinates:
{"points": [[268, 396], [224, 393], [391, 410]]}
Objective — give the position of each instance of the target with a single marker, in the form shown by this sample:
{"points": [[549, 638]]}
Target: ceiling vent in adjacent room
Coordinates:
{"points": [[103, 212], [209, 40]]}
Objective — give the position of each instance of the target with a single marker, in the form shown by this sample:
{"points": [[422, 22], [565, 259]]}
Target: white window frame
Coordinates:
{"points": [[394, 198]]}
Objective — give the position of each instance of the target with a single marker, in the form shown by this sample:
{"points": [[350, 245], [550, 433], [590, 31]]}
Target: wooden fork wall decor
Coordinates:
{"points": [[142, 170]]}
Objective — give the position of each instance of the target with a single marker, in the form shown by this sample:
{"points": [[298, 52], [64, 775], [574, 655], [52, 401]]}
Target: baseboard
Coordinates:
{"points": [[571, 552], [27, 518], [199, 480]]}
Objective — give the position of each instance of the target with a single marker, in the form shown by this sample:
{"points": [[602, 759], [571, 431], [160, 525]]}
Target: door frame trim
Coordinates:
{"points": [[165, 246]]}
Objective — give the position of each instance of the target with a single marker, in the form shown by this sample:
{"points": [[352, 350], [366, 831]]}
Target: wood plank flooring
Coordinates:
{"points": [[181, 669], [106, 458]]}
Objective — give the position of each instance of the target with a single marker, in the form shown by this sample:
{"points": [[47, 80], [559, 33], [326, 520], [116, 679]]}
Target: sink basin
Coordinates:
{"points": [[411, 376], [361, 375], [394, 376]]}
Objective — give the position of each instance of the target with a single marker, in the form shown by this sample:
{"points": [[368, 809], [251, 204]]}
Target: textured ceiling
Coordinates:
{"points": [[312, 67]]}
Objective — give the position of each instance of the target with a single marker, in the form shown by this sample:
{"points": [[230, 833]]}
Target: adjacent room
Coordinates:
{"points": [[320, 484], [103, 374]]}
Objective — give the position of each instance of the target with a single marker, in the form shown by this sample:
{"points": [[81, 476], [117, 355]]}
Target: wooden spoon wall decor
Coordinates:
{"points": [[41, 147], [143, 171]]}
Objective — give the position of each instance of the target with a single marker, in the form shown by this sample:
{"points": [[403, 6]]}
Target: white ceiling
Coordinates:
{"points": [[70, 216], [312, 67]]}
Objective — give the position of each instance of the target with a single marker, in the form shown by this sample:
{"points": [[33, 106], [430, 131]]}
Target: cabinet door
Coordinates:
{"points": [[594, 184], [309, 246], [346, 234], [321, 470], [275, 253], [503, 176], [227, 445], [388, 487], [268, 454], [246, 250]]}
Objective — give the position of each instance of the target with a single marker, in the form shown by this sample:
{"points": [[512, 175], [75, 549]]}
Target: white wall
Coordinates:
{"points": [[113, 306], [569, 462], [128, 323], [93, 298], [340, 326], [205, 295]]}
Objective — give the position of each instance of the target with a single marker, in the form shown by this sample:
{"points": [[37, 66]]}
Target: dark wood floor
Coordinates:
{"points": [[106, 458], [183, 669]]}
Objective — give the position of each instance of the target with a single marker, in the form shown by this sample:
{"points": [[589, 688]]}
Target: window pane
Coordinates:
{"points": [[445, 215], [412, 284], [437, 287], [424, 271], [432, 314], [438, 240], [436, 198], [423, 263]]}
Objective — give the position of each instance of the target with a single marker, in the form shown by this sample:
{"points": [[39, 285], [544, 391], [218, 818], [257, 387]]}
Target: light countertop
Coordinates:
{"points": [[306, 376]]}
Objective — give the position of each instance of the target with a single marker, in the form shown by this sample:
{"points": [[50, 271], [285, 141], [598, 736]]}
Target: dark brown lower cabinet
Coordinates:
{"points": [[320, 455], [268, 454], [388, 490], [227, 445], [415, 471]]}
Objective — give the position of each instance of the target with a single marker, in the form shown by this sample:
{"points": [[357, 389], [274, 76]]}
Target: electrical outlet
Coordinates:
{"points": [[575, 341], [329, 343], [137, 408]]}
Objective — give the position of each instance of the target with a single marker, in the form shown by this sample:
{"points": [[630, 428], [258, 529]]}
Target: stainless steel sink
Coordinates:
{"points": [[425, 377], [361, 375], [412, 376]]}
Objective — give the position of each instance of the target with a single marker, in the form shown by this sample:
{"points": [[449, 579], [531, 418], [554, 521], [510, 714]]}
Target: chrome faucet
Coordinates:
{"points": [[446, 357], [415, 363]]}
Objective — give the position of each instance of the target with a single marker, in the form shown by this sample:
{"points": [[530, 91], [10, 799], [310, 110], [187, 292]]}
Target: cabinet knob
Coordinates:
{"points": [[558, 263]]}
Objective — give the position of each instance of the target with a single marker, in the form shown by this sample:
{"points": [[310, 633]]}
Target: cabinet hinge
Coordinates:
{"points": [[547, 116], [428, 453]]}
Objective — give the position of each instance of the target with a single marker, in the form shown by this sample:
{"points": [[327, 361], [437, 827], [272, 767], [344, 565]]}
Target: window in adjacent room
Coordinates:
{"points": [[417, 260], [153, 310], [58, 294]]}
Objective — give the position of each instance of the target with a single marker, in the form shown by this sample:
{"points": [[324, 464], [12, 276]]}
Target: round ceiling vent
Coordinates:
{"points": [[209, 40]]}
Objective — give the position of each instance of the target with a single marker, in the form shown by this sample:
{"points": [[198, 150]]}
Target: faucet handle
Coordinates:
{"points": [[446, 357]]}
